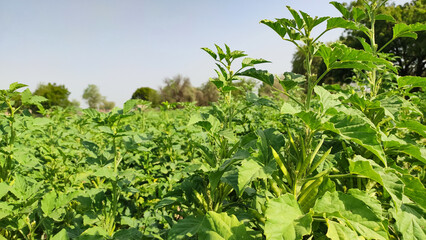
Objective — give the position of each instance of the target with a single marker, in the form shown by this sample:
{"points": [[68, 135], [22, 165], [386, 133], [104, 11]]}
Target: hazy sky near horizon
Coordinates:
{"points": [[123, 45]]}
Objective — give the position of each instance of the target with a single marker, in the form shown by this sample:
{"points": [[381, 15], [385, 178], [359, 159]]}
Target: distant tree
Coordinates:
{"points": [[147, 94], [75, 103], [107, 105], [207, 94], [92, 96], [56, 95], [177, 89]]}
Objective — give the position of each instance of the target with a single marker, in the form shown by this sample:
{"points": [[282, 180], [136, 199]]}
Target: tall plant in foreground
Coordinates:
{"points": [[367, 138]]}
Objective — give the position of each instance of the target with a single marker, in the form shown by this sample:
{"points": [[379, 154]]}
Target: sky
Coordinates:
{"points": [[122, 45]]}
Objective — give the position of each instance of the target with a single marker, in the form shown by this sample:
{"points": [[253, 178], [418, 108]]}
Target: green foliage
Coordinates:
{"points": [[95, 99], [56, 95]]}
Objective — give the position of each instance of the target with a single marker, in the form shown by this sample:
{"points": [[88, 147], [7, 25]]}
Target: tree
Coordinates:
{"points": [[95, 99], [56, 95], [93, 96], [177, 89], [410, 53], [147, 94], [207, 94]]}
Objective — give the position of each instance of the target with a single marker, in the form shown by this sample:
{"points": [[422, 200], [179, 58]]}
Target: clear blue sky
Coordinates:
{"points": [[121, 45]]}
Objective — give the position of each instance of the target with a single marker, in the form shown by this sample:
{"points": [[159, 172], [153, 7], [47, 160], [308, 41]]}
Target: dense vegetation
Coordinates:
{"points": [[330, 161]]}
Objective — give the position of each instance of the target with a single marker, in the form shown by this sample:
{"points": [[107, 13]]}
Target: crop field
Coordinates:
{"points": [[317, 161]]}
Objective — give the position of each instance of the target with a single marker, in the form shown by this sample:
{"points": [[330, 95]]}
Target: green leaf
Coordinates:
{"points": [[128, 234], [339, 22], [93, 233], [251, 61], [338, 56], [129, 105], [358, 14], [186, 227], [385, 17], [276, 26], [338, 231], [404, 30], [297, 18], [356, 129], [220, 52], [291, 80], [261, 75], [287, 108], [5, 210], [365, 45], [14, 86], [395, 144], [351, 211], [410, 222], [222, 226], [285, 220], [384, 176], [415, 190], [48, 202], [247, 172], [327, 99], [411, 81], [342, 9], [61, 235], [4, 189], [311, 119], [237, 54], [210, 52]]}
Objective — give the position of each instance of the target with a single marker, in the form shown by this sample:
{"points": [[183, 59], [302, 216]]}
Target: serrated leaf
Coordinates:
{"points": [[411, 81], [48, 202], [277, 27], [261, 75], [61, 235], [210, 52], [251, 61], [327, 99], [356, 129], [186, 227], [285, 220], [287, 108], [385, 17], [342, 9], [237, 54], [404, 30], [297, 18], [415, 190], [410, 222], [15, 86], [4, 189], [129, 105], [384, 176], [249, 170], [352, 212], [338, 22], [220, 52], [358, 14], [222, 226], [338, 231], [413, 126]]}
